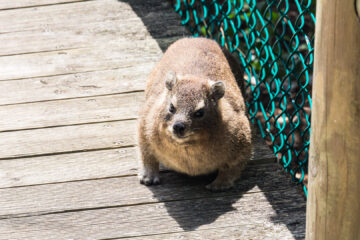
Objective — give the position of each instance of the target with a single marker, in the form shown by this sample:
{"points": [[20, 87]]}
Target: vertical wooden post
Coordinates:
{"points": [[333, 208]]}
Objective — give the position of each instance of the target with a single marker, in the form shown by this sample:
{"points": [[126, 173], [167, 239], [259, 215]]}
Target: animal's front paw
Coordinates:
{"points": [[217, 186], [149, 179]]}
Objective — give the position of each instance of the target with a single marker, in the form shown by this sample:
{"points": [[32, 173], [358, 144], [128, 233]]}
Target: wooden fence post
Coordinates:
{"points": [[333, 207]]}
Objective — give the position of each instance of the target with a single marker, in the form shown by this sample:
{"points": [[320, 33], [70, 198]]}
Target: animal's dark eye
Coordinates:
{"points": [[172, 109], [199, 113]]}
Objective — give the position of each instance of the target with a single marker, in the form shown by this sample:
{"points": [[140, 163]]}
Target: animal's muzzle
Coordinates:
{"points": [[179, 129]]}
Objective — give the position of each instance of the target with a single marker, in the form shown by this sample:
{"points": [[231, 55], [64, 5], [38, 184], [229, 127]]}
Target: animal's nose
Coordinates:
{"points": [[179, 128]]}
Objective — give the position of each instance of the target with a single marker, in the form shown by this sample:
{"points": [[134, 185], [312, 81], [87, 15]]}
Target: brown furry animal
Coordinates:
{"points": [[194, 119]]}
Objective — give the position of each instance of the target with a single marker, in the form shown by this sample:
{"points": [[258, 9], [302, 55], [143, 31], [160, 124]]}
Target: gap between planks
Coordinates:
{"points": [[163, 43], [73, 98]]}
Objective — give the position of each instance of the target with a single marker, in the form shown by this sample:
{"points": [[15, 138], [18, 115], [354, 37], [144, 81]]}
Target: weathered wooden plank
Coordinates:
{"points": [[244, 211], [68, 167], [91, 34], [79, 13], [132, 78], [120, 55], [67, 139], [42, 17], [268, 231], [334, 170], [129, 76], [5, 4], [72, 111], [85, 165], [43, 199]]}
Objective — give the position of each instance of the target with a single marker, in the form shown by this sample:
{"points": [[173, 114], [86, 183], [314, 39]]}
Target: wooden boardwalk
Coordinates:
{"points": [[72, 75]]}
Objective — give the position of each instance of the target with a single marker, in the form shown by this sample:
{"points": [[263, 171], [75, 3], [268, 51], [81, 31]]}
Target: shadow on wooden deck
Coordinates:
{"points": [[165, 30], [190, 204]]}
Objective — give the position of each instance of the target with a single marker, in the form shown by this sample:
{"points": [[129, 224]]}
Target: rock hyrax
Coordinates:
{"points": [[194, 119]]}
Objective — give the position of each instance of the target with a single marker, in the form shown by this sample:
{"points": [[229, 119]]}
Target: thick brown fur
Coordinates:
{"points": [[187, 76]]}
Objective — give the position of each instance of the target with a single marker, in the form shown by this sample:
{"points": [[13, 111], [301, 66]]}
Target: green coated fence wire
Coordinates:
{"points": [[273, 40]]}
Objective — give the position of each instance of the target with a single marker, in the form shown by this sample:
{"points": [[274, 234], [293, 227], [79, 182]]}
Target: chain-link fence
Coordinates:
{"points": [[274, 41]]}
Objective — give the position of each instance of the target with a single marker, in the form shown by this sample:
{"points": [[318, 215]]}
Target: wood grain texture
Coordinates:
{"points": [[77, 13], [68, 112], [334, 186], [127, 77], [80, 14], [65, 47], [68, 167], [268, 231], [121, 191], [89, 34], [121, 55], [5, 4], [244, 211], [67, 139], [66, 86]]}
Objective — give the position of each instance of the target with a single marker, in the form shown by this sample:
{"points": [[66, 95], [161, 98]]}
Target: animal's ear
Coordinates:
{"points": [[217, 90], [170, 80]]}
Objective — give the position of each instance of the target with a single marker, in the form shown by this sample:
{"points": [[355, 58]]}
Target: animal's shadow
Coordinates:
{"points": [[192, 206], [190, 203]]}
